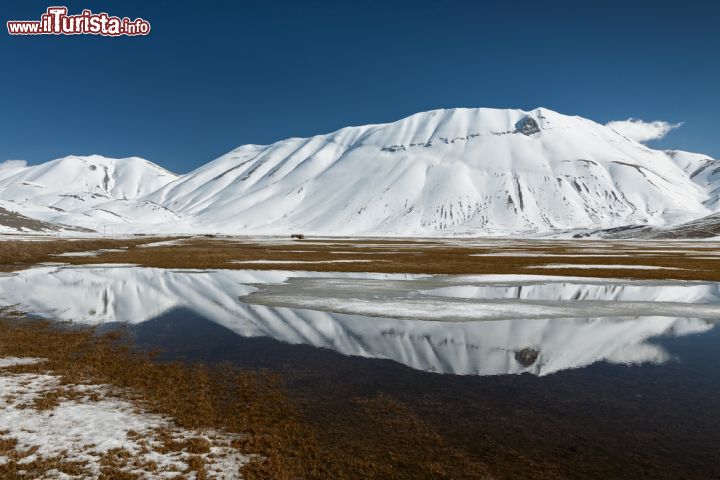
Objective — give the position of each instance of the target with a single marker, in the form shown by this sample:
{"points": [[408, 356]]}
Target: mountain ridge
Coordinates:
{"points": [[460, 171]]}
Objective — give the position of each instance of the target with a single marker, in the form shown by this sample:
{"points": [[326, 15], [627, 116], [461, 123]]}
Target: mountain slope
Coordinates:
{"points": [[444, 172], [459, 171], [12, 222], [703, 171], [86, 191]]}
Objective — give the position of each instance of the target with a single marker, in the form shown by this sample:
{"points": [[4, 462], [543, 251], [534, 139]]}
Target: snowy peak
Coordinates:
{"points": [[461, 171], [69, 189], [94, 175], [448, 126], [457, 171]]}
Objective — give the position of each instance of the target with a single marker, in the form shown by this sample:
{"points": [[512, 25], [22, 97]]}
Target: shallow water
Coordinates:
{"points": [[573, 377]]}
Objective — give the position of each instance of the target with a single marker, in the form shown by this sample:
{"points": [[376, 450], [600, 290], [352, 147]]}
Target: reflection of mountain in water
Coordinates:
{"points": [[540, 345]]}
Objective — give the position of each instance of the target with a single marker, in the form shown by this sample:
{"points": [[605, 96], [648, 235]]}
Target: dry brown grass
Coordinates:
{"points": [[31, 470], [196, 396], [19, 254], [430, 256], [253, 404], [52, 398], [392, 441], [389, 256]]}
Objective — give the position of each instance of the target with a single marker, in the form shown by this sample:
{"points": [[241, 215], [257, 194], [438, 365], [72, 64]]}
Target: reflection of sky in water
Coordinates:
{"points": [[470, 325]]}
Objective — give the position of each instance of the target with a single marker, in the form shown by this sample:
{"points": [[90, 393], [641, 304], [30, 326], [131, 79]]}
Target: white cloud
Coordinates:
{"points": [[8, 164], [641, 131]]}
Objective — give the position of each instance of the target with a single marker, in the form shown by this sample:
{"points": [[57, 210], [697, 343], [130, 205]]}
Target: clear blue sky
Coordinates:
{"points": [[215, 75]]}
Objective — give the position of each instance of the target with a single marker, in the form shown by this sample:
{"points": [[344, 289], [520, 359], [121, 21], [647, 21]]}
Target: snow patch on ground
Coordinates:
{"points": [[538, 254], [363, 253], [612, 267], [299, 261], [162, 244], [91, 253], [94, 424], [6, 362]]}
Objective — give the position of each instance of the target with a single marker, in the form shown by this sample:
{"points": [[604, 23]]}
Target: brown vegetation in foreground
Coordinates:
{"points": [[196, 396], [253, 404]]}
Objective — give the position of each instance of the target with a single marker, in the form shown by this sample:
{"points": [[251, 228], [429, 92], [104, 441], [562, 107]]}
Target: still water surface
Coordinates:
{"points": [[573, 377]]}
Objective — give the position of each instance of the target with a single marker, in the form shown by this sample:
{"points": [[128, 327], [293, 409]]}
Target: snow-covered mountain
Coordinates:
{"points": [[444, 172], [474, 171], [703, 171], [90, 191]]}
